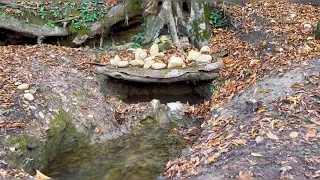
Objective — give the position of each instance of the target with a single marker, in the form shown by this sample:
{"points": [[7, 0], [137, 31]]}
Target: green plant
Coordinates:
{"points": [[217, 19], [138, 37], [144, 24], [56, 11], [49, 24], [136, 45], [43, 12]]}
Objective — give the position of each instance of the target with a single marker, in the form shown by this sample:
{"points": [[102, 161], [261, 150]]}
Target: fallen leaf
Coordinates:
{"points": [[272, 136], [311, 133], [41, 176], [238, 142], [294, 134], [256, 154], [256, 119], [245, 175], [261, 110]]}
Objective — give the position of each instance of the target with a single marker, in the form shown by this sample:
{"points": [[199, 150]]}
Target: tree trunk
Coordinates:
{"points": [[120, 12], [195, 25]]}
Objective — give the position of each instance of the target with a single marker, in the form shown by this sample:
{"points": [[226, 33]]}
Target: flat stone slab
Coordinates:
{"points": [[192, 73]]}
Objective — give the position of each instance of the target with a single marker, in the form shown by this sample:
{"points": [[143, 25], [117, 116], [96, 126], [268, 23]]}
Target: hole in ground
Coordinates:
{"points": [[135, 92]]}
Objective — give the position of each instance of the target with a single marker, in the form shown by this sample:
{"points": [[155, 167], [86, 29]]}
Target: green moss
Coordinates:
{"points": [[62, 136]]}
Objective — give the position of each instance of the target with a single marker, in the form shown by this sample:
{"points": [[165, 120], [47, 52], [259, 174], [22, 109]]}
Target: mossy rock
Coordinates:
{"points": [[34, 153]]}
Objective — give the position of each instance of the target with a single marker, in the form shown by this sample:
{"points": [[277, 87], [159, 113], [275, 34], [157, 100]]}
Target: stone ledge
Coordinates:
{"points": [[194, 73]]}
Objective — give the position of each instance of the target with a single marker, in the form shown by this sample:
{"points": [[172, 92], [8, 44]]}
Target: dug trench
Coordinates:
{"points": [[70, 125]]}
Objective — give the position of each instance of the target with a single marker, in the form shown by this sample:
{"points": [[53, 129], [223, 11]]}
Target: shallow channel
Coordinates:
{"points": [[143, 155]]}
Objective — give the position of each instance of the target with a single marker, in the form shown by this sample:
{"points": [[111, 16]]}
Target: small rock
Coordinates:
{"points": [[154, 49], [205, 50], [193, 55], [176, 114], [309, 38], [285, 168], [149, 58], [273, 21], [160, 55], [28, 96], [116, 57], [148, 64], [307, 26], [32, 107], [140, 54], [137, 63], [155, 104], [292, 16], [158, 65], [114, 62], [12, 149], [204, 59], [41, 115], [175, 62], [123, 64], [17, 83], [23, 86]]}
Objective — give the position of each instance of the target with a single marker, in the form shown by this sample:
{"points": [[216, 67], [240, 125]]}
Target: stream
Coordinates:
{"points": [[142, 155]]}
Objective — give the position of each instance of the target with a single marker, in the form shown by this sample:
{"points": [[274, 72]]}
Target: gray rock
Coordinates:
{"points": [[154, 49], [204, 59], [175, 62], [28, 96], [158, 65], [140, 54], [176, 114], [149, 58], [123, 64], [114, 62]]}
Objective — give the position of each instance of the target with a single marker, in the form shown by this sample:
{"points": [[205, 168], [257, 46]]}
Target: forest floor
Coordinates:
{"points": [[264, 117], [265, 113]]}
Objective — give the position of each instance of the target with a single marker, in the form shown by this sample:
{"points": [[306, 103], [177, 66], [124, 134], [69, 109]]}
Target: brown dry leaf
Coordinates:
{"points": [[256, 119], [239, 142], [294, 134], [272, 136], [314, 120], [41, 176], [311, 133], [245, 175], [256, 154]]}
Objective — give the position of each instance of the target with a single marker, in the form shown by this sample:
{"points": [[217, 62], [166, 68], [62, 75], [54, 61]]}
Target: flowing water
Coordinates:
{"points": [[140, 156]]}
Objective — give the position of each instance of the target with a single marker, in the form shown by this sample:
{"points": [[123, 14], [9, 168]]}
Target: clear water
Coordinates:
{"points": [[141, 156]]}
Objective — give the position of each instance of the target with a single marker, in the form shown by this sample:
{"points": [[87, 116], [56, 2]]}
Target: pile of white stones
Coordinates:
{"points": [[142, 60]]}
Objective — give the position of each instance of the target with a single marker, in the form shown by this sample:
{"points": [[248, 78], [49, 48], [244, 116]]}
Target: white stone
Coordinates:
{"points": [[23, 86], [32, 107], [116, 57], [41, 115], [114, 62], [160, 55], [148, 64], [149, 58], [309, 38], [307, 26], [292, 16], [193, 55], [154, 49], [158, 65], [28, 96], [175, 62], [123, 64], [204, 59], [17, 83], [137, 63], [140, 54], [205, 50], [273, 21]]}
